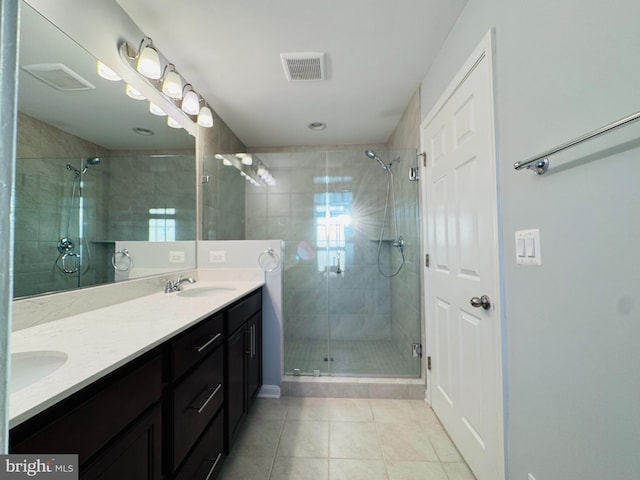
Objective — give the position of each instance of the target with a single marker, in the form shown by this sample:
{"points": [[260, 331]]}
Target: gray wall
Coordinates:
{"points": [[572, 325]]}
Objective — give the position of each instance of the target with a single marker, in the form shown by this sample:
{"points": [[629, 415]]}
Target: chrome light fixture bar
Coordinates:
{"points": [[255, 172], [146, 61]]}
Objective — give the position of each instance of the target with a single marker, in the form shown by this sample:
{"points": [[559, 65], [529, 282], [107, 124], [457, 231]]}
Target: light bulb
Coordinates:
{"points": [[173, 123], [205, 117], [148, 63], [156, 110], [133, 93], [190, 102], [172, 85], [106, 73]]}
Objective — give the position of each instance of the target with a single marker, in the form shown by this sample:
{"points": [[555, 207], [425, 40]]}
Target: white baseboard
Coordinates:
{"points": [[269, 391]]}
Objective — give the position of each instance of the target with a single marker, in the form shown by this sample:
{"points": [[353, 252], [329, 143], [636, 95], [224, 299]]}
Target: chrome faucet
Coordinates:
{"points": [[177, 285]]}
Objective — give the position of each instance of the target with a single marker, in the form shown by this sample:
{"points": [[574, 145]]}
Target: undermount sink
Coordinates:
{"points": [[204, 291], [29, 367]]}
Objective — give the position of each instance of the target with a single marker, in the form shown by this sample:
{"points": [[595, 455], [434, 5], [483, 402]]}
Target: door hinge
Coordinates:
{"points": [[429, 363], [426, 260], [424, 158]]}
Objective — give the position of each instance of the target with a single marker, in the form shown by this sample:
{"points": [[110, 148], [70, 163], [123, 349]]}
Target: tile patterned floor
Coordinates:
{"points": [[303, 438]]}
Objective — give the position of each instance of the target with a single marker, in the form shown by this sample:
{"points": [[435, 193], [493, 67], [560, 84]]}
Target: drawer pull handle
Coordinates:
{"points": [[209, 342], [209, 398], [215, 463]]}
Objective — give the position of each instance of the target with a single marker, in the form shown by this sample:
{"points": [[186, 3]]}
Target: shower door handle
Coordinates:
{"points": [[483, 301]]}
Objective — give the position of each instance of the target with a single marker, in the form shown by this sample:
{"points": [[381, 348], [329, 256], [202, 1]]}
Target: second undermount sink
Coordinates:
{"points": [[29, 367], [204, 291]]}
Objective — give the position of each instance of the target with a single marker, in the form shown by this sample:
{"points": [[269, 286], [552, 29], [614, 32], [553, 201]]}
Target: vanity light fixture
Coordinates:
{"points": [[106, 73], [190, 109], [148, 60], [173, 123], [172, 83], [133, 93], [190, 100], [205, 117], [245, 158], [156, 110]]}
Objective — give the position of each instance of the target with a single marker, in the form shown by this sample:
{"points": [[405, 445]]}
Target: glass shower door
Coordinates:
{"points": [[351, 295]]}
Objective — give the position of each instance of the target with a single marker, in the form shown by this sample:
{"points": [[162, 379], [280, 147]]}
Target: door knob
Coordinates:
{"points": [[483, 301]]}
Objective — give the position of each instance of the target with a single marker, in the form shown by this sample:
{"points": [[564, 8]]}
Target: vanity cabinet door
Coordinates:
{"points": [[235, 384], [136, 453], [254, 357]]}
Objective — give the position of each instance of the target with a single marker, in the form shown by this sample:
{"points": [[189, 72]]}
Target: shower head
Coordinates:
{"points": [[90, 161], [374, 156]]}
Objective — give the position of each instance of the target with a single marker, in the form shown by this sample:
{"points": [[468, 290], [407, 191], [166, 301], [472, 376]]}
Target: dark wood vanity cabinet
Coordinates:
{"points": [[166, 415]]}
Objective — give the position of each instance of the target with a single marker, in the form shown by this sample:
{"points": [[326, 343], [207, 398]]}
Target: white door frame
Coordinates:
{"points": [[483, 50]]}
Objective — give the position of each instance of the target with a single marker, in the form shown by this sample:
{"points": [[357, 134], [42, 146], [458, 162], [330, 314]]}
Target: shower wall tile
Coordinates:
{"points": [[279, 205], [256, 204], [301, 302], [312, 327]]}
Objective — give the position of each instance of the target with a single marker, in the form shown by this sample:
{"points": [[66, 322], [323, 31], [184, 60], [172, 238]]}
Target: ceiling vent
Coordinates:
{"points": [[58, 76], [303, 67]]}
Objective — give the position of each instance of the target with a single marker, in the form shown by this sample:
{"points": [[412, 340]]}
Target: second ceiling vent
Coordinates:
{"points": [[304, 66]]}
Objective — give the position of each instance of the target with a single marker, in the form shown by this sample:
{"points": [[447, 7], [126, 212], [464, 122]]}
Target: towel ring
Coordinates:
{"points": [[125, 253], [268, 260]]}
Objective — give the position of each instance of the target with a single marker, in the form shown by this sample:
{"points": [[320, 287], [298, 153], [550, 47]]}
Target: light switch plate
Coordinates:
{"points": [[176, 257], [219, 256], [531, 253]]}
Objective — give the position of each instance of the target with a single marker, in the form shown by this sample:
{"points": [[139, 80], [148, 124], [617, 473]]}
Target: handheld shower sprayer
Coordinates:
{"points": [[88, 162], [374, 156]]}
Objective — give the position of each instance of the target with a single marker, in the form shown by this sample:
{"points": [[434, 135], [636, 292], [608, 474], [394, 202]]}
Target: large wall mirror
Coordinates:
{"points": [[95, 170]]}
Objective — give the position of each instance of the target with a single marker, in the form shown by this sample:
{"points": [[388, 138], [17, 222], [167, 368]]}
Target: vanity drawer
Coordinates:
{"points": [[240, 313], [206, 459], [196, 344], [195, 402]]}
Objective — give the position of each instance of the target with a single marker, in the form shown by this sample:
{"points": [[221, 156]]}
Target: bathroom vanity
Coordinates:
{"points": [[172, 410]]}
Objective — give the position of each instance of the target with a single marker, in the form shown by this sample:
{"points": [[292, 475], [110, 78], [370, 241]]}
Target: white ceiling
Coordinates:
{"points": [[378, 52]]}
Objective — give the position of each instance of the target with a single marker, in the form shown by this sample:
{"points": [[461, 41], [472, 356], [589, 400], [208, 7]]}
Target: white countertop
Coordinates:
{"points": [[99, 341]]}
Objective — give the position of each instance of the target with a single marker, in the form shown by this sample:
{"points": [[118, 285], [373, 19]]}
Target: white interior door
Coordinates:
{"points": [[460, 194]]}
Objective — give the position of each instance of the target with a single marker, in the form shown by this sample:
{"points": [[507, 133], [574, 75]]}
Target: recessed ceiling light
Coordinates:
{"points": [[317, 126], [143, 131]]}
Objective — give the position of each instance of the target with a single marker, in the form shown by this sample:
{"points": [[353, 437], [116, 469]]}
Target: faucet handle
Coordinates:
{"points": [[169, 286]]}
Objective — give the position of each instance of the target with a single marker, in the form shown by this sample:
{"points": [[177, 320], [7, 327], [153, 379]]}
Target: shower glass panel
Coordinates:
{"points": [[351, 298]]}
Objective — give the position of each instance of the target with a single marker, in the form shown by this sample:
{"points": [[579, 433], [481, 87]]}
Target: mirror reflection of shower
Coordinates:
{"points": [[398, 240], [70, 259]]}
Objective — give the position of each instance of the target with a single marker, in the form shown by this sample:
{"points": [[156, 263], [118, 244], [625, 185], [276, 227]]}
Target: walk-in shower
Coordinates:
{"points": [[351, 305]]}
